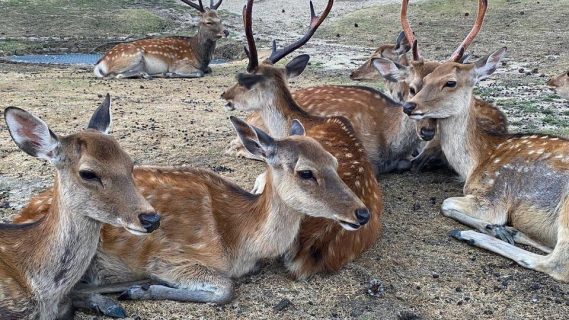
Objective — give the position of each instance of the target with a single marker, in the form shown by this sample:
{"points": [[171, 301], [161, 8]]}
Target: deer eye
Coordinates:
{"points": [[89, 176], [450, 84], [412, 90], [305, 174]]}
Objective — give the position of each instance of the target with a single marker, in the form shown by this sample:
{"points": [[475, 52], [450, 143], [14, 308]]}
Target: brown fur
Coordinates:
{"points": [[561, 84]]}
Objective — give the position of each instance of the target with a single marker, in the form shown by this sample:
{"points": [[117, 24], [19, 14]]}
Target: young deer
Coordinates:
{"points": [[41, 261], [179, 57], [321, 245], [409, 78], [517, 180], [212, 230], [561, 84]]}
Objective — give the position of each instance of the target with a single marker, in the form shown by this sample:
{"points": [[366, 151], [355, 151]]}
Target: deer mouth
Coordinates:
{"points": [[348, 225], [416, 115]]}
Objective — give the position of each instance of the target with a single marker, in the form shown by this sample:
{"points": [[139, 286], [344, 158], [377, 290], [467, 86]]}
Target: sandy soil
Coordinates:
{"points": [[422, 272]]}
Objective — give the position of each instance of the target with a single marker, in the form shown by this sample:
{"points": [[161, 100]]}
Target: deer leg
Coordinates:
{"points": [[135, 70], [98, 304], [431, 156], [186, 283], [555, 264], [185, 74]]}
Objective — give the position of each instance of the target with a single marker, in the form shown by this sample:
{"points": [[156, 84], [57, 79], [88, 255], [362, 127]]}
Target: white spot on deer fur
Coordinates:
{"points": [[349, 155], [497, 160], [360, 169], [357, 183], [347, 174]]}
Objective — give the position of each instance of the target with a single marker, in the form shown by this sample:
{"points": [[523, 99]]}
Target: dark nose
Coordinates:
{"points": [[149, 221], [408, 107], [226, 32], [427, 134], [362, 214]]}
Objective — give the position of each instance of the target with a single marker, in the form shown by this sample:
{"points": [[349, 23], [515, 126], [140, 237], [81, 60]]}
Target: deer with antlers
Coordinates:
{"points": [[211, 229], [40, 262], [321, 245], [561, 84], [409, 79], [517, 186], [177, 57]]}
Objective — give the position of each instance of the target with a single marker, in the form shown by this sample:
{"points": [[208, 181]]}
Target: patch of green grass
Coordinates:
{"points": [[553, 120], [8, 47]]}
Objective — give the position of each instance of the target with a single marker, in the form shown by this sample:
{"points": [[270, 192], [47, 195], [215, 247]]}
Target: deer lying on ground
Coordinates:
{"points": [[321, 245], [41, 261], [561, 84], [517, 186], [178, 57], [212, 230], [409, 78]]}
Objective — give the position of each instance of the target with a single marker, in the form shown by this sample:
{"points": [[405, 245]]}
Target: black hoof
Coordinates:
{"points": [[115, 312], [456, 234], [124, 296]]}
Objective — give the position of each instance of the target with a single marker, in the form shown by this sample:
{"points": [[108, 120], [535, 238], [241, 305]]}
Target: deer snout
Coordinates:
{"points": [[409, 107], [362, 214], [149, 221], [427, 134]]}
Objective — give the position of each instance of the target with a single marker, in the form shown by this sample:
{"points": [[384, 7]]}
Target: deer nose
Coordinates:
{"points": [[408, 107], [149, 221], [427, 134], [362, 214]]}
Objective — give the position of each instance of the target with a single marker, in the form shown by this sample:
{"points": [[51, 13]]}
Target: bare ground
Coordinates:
{"points": [[419, 268]]}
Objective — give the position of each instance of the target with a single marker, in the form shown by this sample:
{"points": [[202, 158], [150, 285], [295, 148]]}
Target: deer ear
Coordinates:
{"points": [[487, 65], [254, 140], [296, 128], [101, 119], [296, 66], [402, 45], [31, 134], [390, 70]]}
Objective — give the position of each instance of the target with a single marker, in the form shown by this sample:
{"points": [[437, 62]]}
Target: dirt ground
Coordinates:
{"points": [[423, 273]]}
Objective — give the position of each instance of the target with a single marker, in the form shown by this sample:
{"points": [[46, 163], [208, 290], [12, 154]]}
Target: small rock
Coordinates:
{"points": [[521, 70], [282, 305], [458, 289], [375, 288], [141, 87], [435, 275], [528, 73], [466, 14], [534, 70], [416, 206], [356, 25], [283, 11], [337, 35], [522, 13]]}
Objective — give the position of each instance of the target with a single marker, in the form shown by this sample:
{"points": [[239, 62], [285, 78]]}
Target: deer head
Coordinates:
{"points": [[93, 171], [264, 81], [305, 175], [561, 84], [210, 24]]}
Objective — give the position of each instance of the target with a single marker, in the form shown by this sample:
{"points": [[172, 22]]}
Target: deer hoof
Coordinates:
{"points": [[503, 233], [457, 234]]}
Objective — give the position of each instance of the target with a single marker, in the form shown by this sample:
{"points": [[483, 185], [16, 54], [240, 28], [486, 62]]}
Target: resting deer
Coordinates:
{"points": [[178, 57], [212, 230], [561, 84], [41, 261], [517, 186], [322, 245], [409, 78]]}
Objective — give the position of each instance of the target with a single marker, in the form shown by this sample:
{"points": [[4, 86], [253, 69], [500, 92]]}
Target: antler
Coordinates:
{"points": [[315, 22], [248, 23], [457, 54], [214, 6], [408, 31], [195, 6]]}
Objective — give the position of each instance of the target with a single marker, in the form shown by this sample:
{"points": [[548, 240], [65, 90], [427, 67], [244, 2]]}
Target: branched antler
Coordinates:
{"points": [[199, 7]]}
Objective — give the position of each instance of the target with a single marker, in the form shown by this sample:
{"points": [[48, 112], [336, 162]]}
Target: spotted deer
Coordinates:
{"points": [[561, 84], [410, 79], [41, 261], [212, 230], [178, 57], [517, 186], [322, 245]]}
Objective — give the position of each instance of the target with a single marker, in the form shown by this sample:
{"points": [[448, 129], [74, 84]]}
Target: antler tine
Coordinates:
{"points": [[408, 31], [195, 6], [248, 23], [315, 22], [215, 6], [457, 54]]}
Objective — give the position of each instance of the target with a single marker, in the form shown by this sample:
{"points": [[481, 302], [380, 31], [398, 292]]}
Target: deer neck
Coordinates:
{"points": [[53, 253], [279, 109], [203, 47], [464, 142], [274, 232]]}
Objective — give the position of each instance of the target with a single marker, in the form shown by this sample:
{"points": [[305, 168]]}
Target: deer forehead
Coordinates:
{"points": [[306, 150], [96, 147]]}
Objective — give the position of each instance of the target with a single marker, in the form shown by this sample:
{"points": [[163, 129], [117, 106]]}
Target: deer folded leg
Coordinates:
{"points": [[98, 304], [186, 283]]}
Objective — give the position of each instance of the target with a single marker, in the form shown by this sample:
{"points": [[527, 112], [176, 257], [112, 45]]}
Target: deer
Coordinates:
{"points": [[212, 230], [172, 57], [321, 245], [41, 261], [408, 79], [517, 185], [561, 84]]}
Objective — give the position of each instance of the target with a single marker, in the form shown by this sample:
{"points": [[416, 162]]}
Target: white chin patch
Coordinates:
{"points": [[348, 226], [416, 116], [229, 106], [136, 232]]}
